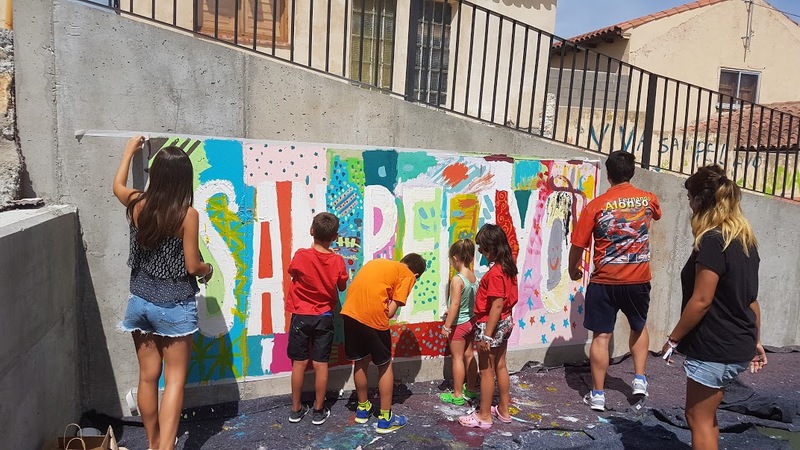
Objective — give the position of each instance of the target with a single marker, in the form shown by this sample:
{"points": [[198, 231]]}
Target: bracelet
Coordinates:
{"points": [[210, 270], [488, 339], [446, 328], [672, 343]]}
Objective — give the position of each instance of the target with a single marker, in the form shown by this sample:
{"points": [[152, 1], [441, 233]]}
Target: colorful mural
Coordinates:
{"points": [[256, 200]]}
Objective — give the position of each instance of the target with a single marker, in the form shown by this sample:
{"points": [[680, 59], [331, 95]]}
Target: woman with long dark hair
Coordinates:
{"points": [[164, 261]]}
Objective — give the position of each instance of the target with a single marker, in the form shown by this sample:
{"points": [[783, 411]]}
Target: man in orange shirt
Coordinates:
{"points": [[378, 289], [619, 220]]}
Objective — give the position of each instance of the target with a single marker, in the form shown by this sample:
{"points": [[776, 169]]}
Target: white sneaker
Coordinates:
{"points": [[639, 387], [596, 402]]}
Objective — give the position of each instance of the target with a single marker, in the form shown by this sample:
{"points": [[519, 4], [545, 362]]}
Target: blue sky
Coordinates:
{"points": [[574, 17]]}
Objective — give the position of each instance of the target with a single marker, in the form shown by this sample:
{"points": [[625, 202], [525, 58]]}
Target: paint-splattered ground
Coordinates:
{"points": [[547, 408]]}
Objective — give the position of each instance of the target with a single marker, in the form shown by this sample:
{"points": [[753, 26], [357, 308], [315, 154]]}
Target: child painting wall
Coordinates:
{"points": [[256, 200]]}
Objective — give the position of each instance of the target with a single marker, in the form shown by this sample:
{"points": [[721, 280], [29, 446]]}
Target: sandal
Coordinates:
{"points": [[497, 415], [473, 421], [472, 395], [448, 397]]}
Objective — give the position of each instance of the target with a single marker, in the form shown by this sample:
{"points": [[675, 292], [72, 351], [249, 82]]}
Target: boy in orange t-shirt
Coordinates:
{"points": [[619, 221], [378, 289]]}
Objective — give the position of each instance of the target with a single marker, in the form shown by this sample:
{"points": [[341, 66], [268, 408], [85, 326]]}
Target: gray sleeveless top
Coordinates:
{"points": [[159, 275]]}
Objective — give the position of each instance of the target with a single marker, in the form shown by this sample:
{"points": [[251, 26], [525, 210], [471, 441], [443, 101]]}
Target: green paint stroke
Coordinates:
{"points": [[401, 229], [774, 185], [426, 290], [410, 165]]}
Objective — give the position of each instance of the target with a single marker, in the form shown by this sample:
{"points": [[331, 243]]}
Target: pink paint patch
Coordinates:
{"points": [[280, 362], [378, 219]]}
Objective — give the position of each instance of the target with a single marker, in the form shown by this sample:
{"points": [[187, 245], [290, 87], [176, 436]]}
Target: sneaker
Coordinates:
{"points": [[297, 416], [394, 423], [639, 386], [596, 402], [319, 416], [362, 415], [469, 394]]}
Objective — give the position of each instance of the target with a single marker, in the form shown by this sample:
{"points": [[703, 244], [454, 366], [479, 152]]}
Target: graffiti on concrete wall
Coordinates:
{"points": [[256, 200], [769, 171]]}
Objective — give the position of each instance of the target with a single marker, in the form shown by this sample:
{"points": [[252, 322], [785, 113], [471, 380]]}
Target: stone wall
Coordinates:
{"points": [[10, 158]]}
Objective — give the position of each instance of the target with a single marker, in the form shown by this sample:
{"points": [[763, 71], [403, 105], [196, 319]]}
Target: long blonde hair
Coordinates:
{"points": [[717, 206]]}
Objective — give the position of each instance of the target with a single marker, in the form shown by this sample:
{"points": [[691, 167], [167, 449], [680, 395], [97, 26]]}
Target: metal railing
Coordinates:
{"points": [[471, 61]]}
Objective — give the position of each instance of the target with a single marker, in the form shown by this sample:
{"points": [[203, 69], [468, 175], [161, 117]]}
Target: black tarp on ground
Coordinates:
{"points": [[547, 408]]}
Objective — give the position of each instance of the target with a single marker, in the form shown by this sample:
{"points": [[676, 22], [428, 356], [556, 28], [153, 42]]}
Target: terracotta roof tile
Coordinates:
{"points": [[618, 29], [755, 122]]}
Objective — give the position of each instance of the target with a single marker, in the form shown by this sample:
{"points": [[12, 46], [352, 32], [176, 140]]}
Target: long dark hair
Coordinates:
{"points": [[492, 239], [166, 199]]}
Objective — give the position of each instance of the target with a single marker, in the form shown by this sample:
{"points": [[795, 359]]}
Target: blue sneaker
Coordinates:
{"points": [[394, 423], [362, 415]]}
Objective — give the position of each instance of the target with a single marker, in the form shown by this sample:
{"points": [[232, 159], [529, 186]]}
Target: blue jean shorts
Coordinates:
{"points": [[173, 319], [713, 374]]}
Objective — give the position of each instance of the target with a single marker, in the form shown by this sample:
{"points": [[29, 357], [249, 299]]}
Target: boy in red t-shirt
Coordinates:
{"points": [[317, 275]]}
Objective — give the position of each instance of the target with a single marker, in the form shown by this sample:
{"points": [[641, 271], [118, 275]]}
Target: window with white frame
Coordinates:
{"points": [[739, 84]]}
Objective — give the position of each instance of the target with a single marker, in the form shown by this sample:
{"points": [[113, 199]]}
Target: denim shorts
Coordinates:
{"points": [[713, 374], [501, 332], [173, 319]]}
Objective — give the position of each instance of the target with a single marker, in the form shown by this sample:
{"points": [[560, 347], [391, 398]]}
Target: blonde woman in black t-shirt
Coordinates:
{"points": [[719, 328]]}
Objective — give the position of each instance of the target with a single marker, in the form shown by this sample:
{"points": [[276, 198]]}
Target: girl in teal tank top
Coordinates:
{"points": [[458, 326]]}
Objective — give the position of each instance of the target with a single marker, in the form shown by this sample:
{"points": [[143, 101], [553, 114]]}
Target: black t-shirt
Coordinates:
{"points": [[727, 333]]}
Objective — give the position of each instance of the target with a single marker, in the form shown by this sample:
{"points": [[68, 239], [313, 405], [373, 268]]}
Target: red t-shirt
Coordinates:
{"points": [[495, 283], [315, 277], [619, 220]]}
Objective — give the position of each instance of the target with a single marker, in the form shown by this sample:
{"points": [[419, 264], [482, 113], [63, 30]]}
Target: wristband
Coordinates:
{"points": [[672, 346]]}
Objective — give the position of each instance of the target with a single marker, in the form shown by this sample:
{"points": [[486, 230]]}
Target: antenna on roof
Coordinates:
{"points": [[749, 36]]}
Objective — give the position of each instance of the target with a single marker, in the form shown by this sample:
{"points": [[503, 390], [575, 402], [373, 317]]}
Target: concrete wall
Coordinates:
{"points": [[175, 83], [478, 53], [39, 356]]}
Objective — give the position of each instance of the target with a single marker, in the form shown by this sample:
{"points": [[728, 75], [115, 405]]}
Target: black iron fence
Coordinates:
{"points": [[468, 60]]}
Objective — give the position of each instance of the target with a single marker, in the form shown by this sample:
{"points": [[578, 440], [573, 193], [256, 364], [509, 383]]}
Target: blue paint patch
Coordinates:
{"points": [[523, 197], [380, 168], [526, 173], [227, 353]]}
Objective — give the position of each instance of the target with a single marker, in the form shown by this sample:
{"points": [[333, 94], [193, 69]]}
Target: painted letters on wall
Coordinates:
{"points": [[256, 200]]}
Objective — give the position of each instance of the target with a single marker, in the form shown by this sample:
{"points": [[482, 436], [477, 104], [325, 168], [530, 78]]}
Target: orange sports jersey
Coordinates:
{"points": [[619, 220], [368, 295]]}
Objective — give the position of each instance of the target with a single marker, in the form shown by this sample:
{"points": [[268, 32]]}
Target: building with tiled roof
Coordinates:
{"points": [[746, 49]]}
